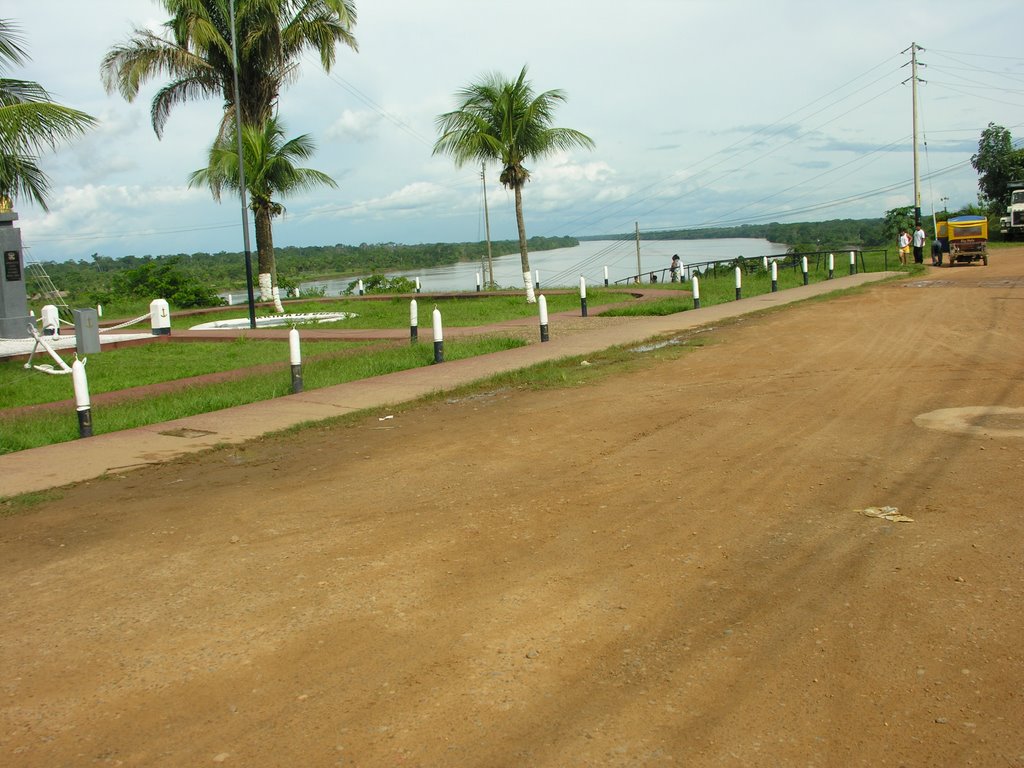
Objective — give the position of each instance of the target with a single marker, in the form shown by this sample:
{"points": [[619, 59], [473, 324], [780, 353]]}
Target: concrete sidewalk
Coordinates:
{"points": [[52, 466]]}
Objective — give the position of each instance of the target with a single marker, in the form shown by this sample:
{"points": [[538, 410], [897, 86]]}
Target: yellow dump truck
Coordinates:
{"points": [[964, 239]]}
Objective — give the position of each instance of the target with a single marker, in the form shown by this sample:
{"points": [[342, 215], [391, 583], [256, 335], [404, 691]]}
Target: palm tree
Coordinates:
{"points": [[501, 120], [196, 54], [29, 122], [270, 172]]}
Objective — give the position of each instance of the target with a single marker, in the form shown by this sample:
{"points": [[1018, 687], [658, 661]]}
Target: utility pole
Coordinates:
{"points": [[241, 171], [487, 227], [914, 48], [638, 270]]}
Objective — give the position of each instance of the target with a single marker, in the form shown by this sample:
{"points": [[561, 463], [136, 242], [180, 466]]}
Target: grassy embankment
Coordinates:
{"points": [[262, 366]]}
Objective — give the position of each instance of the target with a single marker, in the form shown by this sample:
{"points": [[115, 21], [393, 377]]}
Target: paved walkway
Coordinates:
{"points": [[52, 466]]}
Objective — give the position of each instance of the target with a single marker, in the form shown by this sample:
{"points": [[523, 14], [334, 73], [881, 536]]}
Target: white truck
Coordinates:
{"points": [[1012, 224]]}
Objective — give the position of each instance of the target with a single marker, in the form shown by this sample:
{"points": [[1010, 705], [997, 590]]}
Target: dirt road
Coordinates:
{"points": [[665, 568]]}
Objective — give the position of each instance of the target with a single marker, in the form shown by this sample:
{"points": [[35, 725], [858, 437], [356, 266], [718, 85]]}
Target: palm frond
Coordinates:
{"points": [[12, 51], [21, 177], [30, 122]]}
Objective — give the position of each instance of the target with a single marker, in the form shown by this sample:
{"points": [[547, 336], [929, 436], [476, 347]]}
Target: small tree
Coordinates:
{"points": [[378, 283], [167, 279], [997, 164], [896, 220], [270, 172], [503, 121]]}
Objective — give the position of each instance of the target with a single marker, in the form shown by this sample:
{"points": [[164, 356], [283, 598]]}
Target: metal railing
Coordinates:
{"points": [[816, 261]]}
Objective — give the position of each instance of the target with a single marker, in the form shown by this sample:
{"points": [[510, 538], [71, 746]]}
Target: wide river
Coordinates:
{"points": [[563, 267]]}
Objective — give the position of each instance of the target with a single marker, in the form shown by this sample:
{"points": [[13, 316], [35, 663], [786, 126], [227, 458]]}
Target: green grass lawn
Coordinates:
{"points": [[321, 368], [150, 363]]}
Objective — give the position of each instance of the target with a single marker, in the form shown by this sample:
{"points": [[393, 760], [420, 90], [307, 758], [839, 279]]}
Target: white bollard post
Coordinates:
{"points": [[853, 263], [414, 322], [583, 296], [739, 283], [99, 310], [295, 354], [478, 282], [831, 266], [695, 282], [51, 320], [764, 263], [438, 336], [82, 405], [803, 266], [359, 286], [160, 317], [775, 276], [542, 306], [536, 282], [417, 285], [606, 277]]}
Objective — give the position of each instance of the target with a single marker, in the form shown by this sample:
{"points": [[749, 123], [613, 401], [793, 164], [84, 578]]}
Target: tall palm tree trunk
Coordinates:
{"points": [[265, 260], [524, 253]]}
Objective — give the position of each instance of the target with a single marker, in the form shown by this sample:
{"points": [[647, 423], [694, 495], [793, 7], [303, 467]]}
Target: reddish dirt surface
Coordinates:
{"points": [[667, 567]]}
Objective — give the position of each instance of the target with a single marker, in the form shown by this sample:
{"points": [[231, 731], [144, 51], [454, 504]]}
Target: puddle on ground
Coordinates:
{"points": [[186, 432], [657, 345]]}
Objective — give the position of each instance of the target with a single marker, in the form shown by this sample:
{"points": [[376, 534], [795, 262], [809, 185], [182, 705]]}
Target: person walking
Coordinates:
{"points": [[674, 269], [904, 246], [919, 238]]}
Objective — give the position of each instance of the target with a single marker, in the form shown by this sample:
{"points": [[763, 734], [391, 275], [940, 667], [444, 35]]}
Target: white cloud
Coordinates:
{"points": [[354, 126], [410, 200]]}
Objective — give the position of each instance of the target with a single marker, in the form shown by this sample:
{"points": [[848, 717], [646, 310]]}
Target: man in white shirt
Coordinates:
{"points": [[919, 245]]}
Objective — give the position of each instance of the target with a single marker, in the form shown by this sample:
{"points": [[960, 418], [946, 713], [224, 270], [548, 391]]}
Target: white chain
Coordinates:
{"points": [[125, 324]]}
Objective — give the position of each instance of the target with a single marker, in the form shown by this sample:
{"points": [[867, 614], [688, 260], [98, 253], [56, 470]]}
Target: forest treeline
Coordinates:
{"points": [[99, 278]]}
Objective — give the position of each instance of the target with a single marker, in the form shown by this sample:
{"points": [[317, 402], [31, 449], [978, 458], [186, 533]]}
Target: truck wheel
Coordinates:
{"points": [[985, 259]]}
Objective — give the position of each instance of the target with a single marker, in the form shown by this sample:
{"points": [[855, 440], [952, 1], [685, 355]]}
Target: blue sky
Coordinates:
{"points": [[703, 112]]}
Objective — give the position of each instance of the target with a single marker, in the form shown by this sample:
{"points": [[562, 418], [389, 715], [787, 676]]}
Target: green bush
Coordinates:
{"points": [[164, 279], [378, 283]]}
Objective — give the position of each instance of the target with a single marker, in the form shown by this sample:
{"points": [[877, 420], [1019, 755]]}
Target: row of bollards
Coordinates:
{"points": [[773, 268], [536, 275], [360, 290], [542, 306], [160, 320]]}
